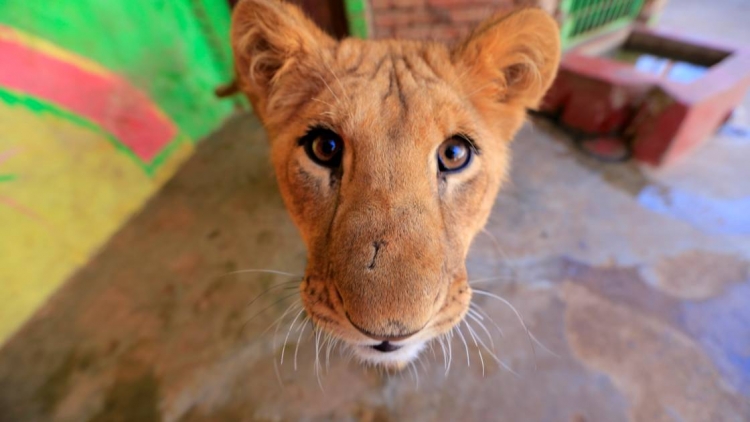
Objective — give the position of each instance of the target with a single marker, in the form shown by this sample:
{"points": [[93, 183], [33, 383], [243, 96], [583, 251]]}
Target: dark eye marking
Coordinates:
{"points": [[323, 146]]}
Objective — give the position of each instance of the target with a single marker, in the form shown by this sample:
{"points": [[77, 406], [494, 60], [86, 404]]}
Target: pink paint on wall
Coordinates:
{"points": [[106, 99]]}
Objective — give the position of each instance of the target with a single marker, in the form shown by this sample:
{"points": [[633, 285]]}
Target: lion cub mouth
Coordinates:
{"points": [[389, 354], [386, 347]]}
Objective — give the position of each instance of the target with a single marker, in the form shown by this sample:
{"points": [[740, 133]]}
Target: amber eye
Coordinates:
{"points": [[323, 146], [454, 154]]}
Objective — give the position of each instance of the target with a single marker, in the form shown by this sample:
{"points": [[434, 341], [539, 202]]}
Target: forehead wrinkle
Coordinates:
{"points": [[376, 125], [394, 70], [395, 84]]}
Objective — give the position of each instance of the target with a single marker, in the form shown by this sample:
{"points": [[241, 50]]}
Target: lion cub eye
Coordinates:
{"points": [[323, 146], [454, 154]]}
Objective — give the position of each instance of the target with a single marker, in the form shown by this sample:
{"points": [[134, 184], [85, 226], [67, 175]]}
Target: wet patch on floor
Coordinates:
{"points": [[720, 325], [664, 374], [725, 216], [699, 275]]}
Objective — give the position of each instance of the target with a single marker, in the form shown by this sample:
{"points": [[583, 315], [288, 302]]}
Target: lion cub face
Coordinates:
{"points": [[389, 155]]}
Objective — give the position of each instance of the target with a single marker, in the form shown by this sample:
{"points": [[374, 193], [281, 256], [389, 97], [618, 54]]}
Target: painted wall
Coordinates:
{"points": [[100, 101]]}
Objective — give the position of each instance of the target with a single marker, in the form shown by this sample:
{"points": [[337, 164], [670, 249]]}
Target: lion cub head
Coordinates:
{"points": [[389, 155]]}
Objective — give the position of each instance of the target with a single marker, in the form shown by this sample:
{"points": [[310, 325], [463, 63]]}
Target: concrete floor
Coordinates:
{"points": [[637, 279]]}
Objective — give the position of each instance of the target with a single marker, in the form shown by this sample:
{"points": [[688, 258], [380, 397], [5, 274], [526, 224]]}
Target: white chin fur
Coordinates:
{"points": [[402, 356]]}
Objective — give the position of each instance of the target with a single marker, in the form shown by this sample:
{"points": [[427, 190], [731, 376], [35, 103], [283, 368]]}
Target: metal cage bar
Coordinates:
{"points": [[584, 19]]}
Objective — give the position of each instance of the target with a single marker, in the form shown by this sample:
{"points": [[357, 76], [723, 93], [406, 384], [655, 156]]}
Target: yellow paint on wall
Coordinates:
{"points": [[70, 190]]}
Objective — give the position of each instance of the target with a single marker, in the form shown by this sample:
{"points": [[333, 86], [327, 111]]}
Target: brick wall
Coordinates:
{"points": [[442, 20]]}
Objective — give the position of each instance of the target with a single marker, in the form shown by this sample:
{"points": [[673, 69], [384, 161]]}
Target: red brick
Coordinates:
{"points": [[472, 14], [437, 32], [448, 32], [424, 15], [415, 32], [381, 32], [456, 3], [381, 4], [392, 17], [409, 3], [405, 17]]}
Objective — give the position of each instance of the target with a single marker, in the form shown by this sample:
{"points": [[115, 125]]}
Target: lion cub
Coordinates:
{"points": [[389, 155]]}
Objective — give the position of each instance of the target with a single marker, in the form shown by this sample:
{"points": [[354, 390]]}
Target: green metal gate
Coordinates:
{"points": [[585, 19]]}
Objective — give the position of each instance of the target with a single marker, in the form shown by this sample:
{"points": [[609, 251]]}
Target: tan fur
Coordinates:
{"points": [[388, 236]]}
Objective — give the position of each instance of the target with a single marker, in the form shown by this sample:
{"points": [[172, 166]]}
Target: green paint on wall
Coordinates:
{"points": [[7, 177], [356, 15], [175, 50]]}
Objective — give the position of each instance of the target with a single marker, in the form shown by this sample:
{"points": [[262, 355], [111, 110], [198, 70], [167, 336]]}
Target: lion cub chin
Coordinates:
{"points": [[389, 155]]}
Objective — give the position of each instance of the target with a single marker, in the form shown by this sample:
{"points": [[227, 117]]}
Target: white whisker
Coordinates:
{"points": [[278, 375], [277, 322], [543, 347], [286, 285], [318, 334], [299, 339], [497, 244], [267, 308], [478, 309], [497, 359], [466, 346], [472, 311], [275, 335], [274, 339], [445, 353], [473, 336], [518, 315], [329, 89], [289, 331], [489, 279], [416, 372], [339, 82], [481, 359], [481, 324], [421, 362], [450, 350], [328, 352]]}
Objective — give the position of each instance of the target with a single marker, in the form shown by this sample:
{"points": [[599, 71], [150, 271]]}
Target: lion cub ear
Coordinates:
{"points": [[270, 40], [511, 58]]}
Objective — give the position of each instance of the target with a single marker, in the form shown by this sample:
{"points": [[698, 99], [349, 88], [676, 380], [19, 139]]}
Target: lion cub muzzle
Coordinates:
{"points": [[386, 264]]}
